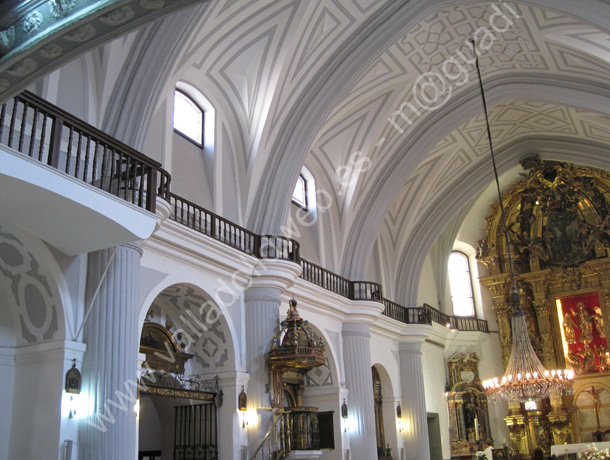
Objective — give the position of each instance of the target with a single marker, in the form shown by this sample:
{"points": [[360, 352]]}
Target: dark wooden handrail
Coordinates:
{"points": [[42, 131], [39, 129], [262, 246], [406, 315], [456, 322]]}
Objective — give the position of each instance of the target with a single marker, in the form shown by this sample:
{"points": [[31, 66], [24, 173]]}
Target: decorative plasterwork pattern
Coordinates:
{"points": [[33, 301], [196, 324], [531, 45], [464, 148]]}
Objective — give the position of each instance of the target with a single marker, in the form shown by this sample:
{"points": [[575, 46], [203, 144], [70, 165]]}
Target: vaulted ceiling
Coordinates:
{"points": [[379, 99]]}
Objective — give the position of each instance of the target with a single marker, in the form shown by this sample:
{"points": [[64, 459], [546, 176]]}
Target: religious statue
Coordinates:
{"points": [[585, 324], [587, 365], [482, 248], [569, 328], [573, 361], [471, 414], [599, 322]]}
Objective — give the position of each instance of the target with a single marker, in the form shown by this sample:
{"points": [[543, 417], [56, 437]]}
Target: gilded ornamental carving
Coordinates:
{"points": [[559, 225]]}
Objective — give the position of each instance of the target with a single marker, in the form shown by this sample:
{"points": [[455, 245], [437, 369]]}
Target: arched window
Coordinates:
{"points": [[299, 196], [460, 281], [304, 194], [188, 118]]}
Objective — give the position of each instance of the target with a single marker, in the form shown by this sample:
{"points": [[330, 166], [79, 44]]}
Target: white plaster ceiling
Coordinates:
{"points": [[313, 82]]}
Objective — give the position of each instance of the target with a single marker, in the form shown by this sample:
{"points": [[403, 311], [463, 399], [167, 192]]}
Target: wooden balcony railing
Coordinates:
{"points": [[225, 231], [50, 135], [44, 132], [406, 315], [326, 279], [456, 322]]}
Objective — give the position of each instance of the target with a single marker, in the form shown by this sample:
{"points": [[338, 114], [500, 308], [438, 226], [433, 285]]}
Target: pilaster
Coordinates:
{"points": [[415, 432], [111, 333], [358, 378], [262, 302]]}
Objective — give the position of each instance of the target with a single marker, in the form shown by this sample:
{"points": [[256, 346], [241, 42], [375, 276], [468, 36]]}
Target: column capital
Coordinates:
{"points": [[273, 273], [410, 347], [364, 312], [415, 333], [133, 246], [355, 329]]}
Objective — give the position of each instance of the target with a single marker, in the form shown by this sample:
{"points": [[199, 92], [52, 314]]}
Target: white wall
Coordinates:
{"points": [[434, 365], [426, 291]]}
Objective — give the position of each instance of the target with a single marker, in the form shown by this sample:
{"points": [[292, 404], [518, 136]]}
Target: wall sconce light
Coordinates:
{"points": [[399, 417], [73, 386], [242, 406], [344, 413]]}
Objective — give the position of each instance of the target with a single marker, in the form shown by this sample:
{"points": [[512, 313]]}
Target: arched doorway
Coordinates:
{"points": [[187, 344], [378, 395]]}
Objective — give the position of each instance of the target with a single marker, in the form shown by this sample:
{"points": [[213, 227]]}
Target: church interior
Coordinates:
{"points": [[304, 229]]}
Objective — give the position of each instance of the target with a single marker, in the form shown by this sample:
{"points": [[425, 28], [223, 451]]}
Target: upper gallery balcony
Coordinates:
{"points": [[70, 184]]}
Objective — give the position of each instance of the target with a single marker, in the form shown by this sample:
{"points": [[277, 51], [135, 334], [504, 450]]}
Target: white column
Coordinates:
{"points": [[415, 432], [112, 335], [262, 304], [262, 322], [359, 381], [232, 434]]}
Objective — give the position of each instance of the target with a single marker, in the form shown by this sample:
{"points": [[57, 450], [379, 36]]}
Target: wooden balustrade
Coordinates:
{"points": [[456, 322], [326, 279], [225, 231], [406, 315], [52, 136]]}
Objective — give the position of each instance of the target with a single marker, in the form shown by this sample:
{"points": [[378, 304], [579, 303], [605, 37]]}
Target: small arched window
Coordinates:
{"points": [[299, 196], [460, 281], [188, 118]]}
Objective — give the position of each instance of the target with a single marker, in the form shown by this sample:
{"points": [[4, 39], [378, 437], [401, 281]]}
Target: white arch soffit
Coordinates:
{"points": [[324, 90], [432, 223], [418, 144], [49, 268], [175, 281]]}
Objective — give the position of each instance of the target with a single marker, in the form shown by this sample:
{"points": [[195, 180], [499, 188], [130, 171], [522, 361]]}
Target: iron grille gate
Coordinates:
{"points": [[195, 433]]}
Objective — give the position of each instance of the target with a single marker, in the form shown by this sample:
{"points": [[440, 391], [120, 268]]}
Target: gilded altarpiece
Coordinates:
{"points": [[469, 429], [558, 220]]}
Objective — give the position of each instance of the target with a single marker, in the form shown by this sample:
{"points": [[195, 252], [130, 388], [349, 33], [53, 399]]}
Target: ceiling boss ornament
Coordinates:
{"points": [[525, 378]]}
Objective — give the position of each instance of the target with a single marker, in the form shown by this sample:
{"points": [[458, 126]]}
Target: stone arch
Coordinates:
{"points": [[389, 404], [198, 323], [585, 407]]}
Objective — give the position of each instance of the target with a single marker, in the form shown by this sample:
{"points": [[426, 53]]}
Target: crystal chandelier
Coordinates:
{"points": [[525, 378]]}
